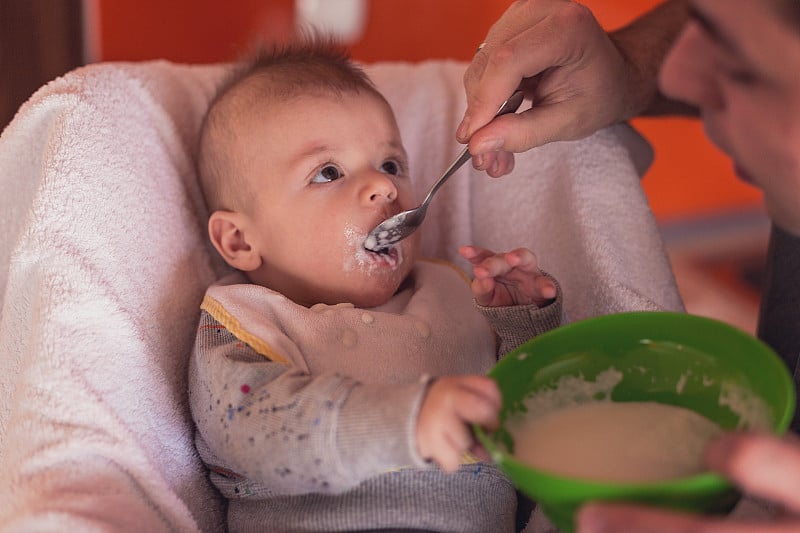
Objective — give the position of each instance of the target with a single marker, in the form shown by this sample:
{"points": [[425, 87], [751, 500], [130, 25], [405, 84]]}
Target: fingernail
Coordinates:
{"points": [[462, 132], [489, 145], [495, 168], [478, 161]]}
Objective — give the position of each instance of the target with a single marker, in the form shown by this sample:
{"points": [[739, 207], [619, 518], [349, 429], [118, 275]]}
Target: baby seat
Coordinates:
{"points": [[104, 261]]}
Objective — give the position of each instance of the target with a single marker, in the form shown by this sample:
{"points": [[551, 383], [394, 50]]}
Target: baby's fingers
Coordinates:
{"points": [[493, 266], [479, 402], [483, 290], [475, 254], [452, 405], [522, 259], [545, 290], [456, 439]]}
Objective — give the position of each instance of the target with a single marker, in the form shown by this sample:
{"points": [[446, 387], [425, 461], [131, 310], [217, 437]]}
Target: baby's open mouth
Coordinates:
{"points": [[370, 245], [390, 251], [389, 255]]}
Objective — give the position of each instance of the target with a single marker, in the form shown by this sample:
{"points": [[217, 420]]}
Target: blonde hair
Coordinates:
{"points": [[311, 65]]}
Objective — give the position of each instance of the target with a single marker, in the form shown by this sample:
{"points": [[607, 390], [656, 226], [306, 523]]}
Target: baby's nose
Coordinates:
{"points": [[379, 188]]}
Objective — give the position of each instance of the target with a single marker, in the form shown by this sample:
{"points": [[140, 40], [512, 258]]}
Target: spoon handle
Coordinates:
{"points": [[509, 106], [455, 165]]}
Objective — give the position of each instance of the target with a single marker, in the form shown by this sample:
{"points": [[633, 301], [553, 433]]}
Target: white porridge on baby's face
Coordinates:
{"points": [[614, 441]]}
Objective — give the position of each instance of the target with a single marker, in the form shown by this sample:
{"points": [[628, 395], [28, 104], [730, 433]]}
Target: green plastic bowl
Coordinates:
{"points": [[666, 357]]}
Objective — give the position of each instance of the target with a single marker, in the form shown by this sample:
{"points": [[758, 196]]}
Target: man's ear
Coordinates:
{"points": [[226, 229]]}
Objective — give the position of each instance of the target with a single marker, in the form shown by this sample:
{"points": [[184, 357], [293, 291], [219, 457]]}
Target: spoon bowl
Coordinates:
{"points": [[401, 225]]}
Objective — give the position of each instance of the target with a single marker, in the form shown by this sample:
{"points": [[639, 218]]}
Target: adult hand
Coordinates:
{"points": [[760, 465], [451, 405], [511, 278], [578, 78], [566, 64]]}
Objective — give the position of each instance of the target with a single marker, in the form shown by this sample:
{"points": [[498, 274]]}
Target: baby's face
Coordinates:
{"points": [[325, 170]]}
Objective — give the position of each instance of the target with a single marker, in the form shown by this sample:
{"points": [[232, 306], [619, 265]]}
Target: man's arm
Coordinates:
{"points": [[644, 44]]}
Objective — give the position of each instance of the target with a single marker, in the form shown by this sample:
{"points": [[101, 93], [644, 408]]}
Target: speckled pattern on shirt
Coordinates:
{"points": [[307, 415]]}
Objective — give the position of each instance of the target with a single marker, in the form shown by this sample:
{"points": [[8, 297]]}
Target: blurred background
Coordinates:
{"points": [[713, 224]]}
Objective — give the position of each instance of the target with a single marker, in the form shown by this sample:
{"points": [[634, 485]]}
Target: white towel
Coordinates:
{"points": [[578, 205], [103, 263]]}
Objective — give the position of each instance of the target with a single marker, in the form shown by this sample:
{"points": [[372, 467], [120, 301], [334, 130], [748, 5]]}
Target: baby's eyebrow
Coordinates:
{"points": [[398, 147], [312, 150]]}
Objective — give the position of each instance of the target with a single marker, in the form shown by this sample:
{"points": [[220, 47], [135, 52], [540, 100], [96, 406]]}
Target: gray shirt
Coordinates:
{"points": [[306, 417]]}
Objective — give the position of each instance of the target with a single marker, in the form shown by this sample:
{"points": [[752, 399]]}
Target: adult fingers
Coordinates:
{"points": [[762, 465], [515, 20], [613, 517], [552, 39], [496, 164], [543, 123], [503, 164]]}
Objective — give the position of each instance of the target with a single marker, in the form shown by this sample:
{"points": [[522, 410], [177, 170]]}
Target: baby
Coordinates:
{"points": [[334, 388]]}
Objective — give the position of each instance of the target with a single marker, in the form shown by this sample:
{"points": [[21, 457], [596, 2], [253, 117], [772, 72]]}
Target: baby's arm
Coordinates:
{"points": [[512, 292], [292, 432]]}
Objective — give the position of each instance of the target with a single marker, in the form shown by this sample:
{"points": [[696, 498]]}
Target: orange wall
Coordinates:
{"points": [[689, 177], [191, 31], [209, 30]]}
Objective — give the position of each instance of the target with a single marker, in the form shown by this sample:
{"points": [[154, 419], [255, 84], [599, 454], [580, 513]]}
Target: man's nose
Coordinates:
{"points": [[688, 73]]}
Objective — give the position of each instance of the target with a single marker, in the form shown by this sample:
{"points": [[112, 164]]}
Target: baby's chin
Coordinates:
{"points": [[368, 301], [377, 289], [363, 296]]}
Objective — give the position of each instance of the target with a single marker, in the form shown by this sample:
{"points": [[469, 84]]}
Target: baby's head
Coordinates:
{"points": [[300, 157]]}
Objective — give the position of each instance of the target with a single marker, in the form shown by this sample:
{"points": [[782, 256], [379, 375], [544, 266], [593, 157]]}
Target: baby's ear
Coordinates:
{"points": [[227, 231]]}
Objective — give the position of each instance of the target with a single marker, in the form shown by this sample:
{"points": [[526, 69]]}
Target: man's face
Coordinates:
{"points": [[325, 170], [739, 63]]}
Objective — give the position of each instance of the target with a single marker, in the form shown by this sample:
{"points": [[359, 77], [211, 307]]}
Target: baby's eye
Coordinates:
{"points": [[391, 167], [326, 174]]}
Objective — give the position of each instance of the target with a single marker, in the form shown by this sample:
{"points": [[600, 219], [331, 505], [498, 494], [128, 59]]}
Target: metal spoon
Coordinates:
{"points": [[403, 224]]}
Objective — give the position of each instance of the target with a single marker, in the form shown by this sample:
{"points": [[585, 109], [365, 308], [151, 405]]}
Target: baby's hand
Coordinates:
{"points": [[511, 278], [451, 404]]}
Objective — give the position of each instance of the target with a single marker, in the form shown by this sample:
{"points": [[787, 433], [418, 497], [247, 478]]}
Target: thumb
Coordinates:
{"points": [[763, 465], [520, 132]]}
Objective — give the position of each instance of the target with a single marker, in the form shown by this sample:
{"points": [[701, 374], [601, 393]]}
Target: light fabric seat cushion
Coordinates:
{"points": [[104, 261]]}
